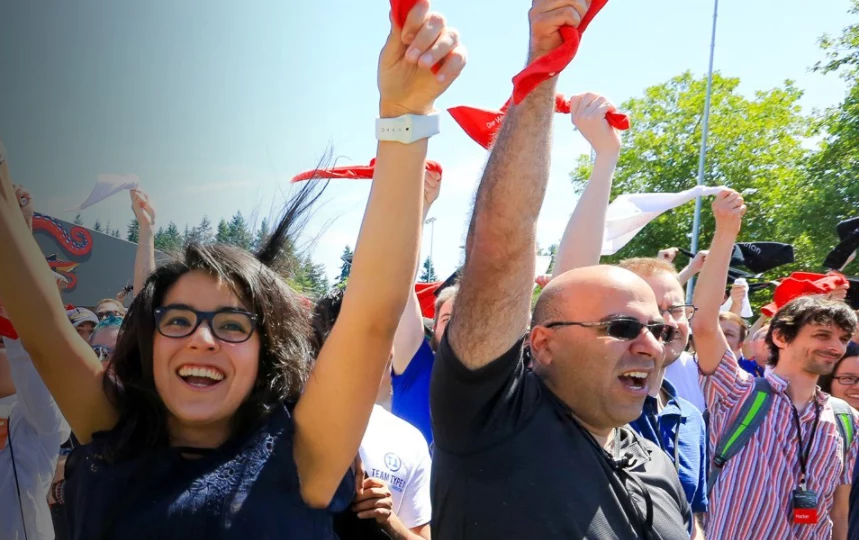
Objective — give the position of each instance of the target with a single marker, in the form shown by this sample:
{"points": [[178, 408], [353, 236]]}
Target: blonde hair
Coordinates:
{"points": [[647, 266]]}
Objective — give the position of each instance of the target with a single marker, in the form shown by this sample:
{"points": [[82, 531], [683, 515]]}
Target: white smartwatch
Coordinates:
{"points": [[408, 128]]}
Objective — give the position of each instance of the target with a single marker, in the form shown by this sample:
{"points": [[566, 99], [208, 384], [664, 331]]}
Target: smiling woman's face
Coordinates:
{"points": [[201, 379], [849, 367]]}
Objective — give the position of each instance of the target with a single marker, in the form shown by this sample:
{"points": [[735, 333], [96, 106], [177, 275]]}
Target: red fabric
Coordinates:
{"points": [[401, 9], [355, 172], [546, 67], [802, 284], [482, 125], [427, 298]]}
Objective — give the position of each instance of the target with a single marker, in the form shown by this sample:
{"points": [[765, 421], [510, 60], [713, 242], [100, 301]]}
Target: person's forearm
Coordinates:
{"points": [[840, 526], [737, 307], [144, 263], [709, 294], [686, 274], [582, 242], [397, 531]]}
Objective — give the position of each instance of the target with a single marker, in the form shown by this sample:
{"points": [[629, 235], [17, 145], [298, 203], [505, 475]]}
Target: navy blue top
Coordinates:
{"points": [[411, 389], [679, 421], [246, 489], [751, 366]]}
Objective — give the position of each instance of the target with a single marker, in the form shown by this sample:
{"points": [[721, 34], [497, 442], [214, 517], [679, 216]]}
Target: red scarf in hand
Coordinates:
{"points": [[355, 172], [483, 125], [546, 67]]}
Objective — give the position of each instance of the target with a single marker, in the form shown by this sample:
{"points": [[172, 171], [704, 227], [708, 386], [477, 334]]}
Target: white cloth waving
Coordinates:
{"points": [[108, 185], [629, 213]]}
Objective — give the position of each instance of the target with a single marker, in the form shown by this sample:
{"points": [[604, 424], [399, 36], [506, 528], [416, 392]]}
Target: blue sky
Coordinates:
{"points": [[216, 104]]}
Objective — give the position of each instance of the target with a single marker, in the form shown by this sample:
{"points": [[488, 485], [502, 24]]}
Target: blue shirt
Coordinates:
{"points": [[682, 423], [410, 400], [751, 366]]}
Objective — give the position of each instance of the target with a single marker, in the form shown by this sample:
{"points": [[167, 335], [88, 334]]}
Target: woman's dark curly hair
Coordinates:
{"points": [[283, 323]]}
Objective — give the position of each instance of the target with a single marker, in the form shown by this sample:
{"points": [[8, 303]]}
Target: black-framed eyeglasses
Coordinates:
{"points": [[680, 311], [103, 352], [847, 380], [624, 328], [229, 325]]}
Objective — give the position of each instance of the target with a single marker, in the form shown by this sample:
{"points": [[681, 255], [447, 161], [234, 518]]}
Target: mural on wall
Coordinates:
{"points": [[95, 265]]}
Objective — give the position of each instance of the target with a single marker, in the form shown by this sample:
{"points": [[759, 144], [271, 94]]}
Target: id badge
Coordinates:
{"points": [[804, 507]]}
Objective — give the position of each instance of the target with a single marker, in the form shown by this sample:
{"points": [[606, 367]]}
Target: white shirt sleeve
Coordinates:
{"points": [[416, 508], [35, 402]]}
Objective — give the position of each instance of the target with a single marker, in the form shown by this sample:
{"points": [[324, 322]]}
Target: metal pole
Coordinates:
{"points": [[431, 223], [702, 158]]}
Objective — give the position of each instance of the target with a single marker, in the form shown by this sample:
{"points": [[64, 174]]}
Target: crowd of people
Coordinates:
{"points": [[224, 404]]}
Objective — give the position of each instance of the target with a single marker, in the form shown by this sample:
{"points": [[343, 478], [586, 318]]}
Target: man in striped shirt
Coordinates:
{"points": [[755, 495]]}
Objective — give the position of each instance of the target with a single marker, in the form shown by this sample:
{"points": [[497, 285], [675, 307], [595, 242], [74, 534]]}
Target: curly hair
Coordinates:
{"points": [[805, 310], [283, 322]]}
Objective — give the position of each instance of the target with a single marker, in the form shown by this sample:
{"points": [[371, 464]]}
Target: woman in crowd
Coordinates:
{"points": [[844, 381], [214, 428]]}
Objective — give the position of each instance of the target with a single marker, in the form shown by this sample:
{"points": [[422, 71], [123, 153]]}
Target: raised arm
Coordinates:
{"points": [[410, 330], [493, 305], [333, 412], [581, 244], [694, 266], [144, 262], [28, 292], [710, 343]]}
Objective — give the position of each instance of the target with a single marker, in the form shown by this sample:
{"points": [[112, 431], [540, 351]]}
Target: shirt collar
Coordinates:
{"points": [[779, 385]]}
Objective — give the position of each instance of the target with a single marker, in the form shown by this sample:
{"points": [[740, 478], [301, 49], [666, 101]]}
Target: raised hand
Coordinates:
{"points": [[432, 188], [729, 209], [668, 254], [547, 17], [25, 202], [143, 210], [407, 84], [697, 262], [738, 292], [588, 112]]}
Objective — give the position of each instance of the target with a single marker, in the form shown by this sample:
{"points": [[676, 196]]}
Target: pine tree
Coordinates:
{"points": [[79, 221], [347, 264], [203, 231], [97, 226], [223, 236], [262, 234], [116, 233], [428, 274], [134, 231], [240, 233]]}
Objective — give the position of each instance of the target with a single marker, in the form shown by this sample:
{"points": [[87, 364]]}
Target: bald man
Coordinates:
{"points": [[543, 453]]}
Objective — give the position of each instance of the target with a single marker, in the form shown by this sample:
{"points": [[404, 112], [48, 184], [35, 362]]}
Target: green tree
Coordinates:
{"points": [[97, 226], [223, 234], [169, 240], [262, 234], [428, 273], [79, 221], [240, 233], [133, 231], [203, 232], [346, 267], [755, 144]]}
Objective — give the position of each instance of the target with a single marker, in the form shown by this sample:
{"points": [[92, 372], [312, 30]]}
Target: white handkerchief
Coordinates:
{"points": [[629, 213], [108, 185], [746, 310]]}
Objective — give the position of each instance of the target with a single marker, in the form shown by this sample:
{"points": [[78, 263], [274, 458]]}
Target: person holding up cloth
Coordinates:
{"points": [[215, 426]]}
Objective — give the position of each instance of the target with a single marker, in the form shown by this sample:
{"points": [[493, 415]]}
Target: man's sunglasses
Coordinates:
{"points": [[102, 315], [624, 328]]}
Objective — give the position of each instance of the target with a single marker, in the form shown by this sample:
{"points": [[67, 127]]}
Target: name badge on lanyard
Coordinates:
{"points": [[804, 501], [804, 507]]}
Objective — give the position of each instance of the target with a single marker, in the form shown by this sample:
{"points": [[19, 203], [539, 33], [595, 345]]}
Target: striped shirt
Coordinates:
{"points": [[752, 497]]}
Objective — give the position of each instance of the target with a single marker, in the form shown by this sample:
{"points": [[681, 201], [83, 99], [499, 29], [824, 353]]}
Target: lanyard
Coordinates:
{"points": [[803, 457]]}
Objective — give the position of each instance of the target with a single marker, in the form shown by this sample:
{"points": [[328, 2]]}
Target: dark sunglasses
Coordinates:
{"points": [[105, 314], [228, 325], [625, 328]]}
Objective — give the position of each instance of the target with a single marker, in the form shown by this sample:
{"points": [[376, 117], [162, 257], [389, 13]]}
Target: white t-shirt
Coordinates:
{"points": [[683, 374], [395, 452], [37, 429]]}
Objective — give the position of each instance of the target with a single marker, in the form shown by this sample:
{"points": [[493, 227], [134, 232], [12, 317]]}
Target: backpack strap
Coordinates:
{"points": [[844, 421], [752, 414]]}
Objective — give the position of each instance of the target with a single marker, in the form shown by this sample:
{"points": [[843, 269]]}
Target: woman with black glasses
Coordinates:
{"points": [[844, 381], [215, 427]]}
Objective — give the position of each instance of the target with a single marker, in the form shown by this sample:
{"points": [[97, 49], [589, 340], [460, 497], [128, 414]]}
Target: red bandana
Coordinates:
{"points": [[355, 172], [546, 67], [427, 297], [483, 125], [802, 284]]}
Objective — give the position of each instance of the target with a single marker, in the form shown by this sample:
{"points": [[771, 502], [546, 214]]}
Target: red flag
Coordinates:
{"points": [[354, 172], [546, 67], [482, 125], [427, 298]]}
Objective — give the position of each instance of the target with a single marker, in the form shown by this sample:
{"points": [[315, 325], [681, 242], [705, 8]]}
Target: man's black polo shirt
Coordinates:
{"points": [[509, 462]]}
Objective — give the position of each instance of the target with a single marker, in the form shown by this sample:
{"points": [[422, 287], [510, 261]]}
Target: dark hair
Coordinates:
{"points": [[283, 323], [325, 314], [826, 380], [815, 309]]}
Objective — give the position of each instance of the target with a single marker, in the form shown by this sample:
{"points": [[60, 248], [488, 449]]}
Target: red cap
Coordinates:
{"points": [[804, 284]]}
